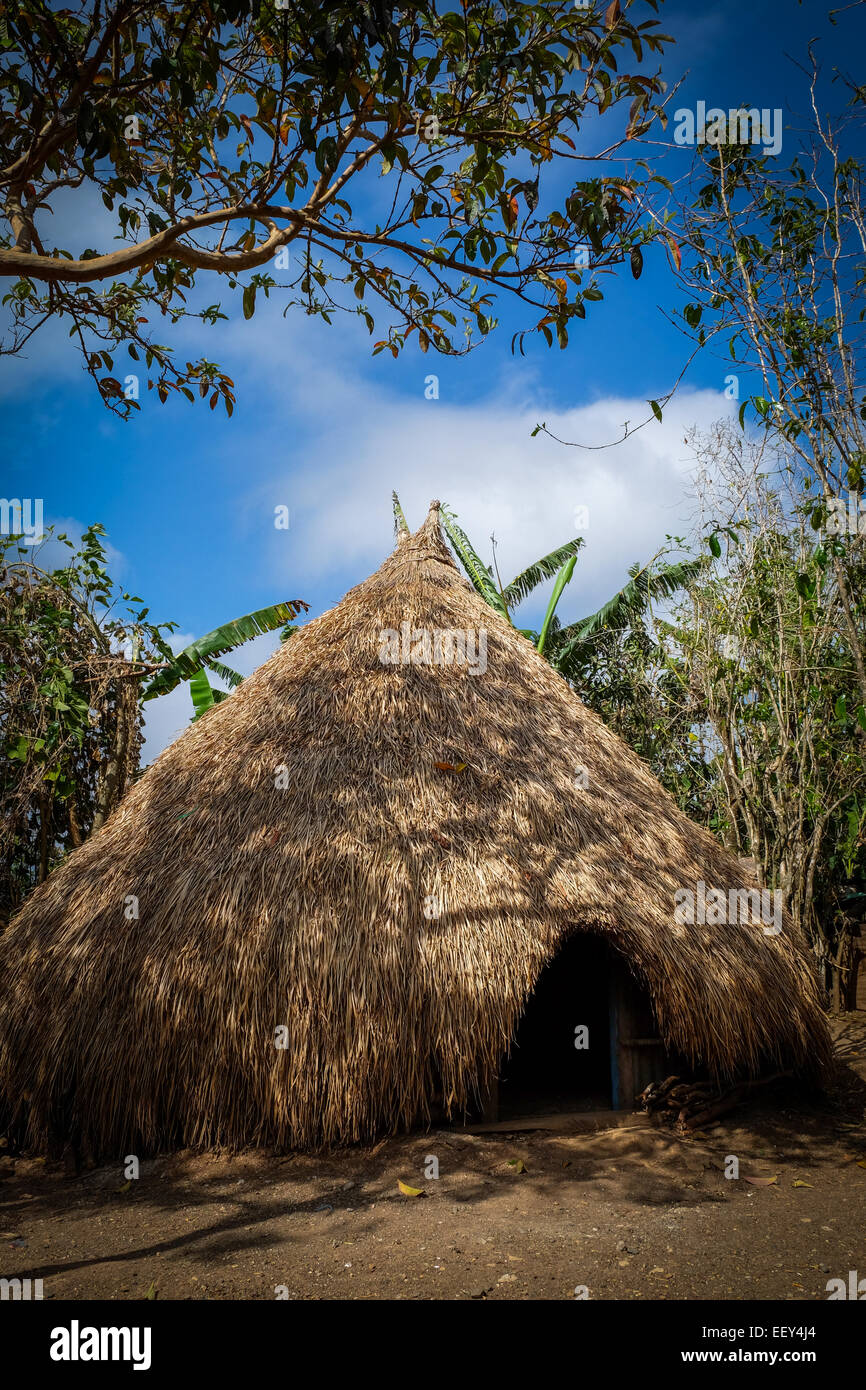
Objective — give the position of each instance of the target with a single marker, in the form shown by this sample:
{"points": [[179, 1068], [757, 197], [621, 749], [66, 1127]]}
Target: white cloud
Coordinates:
{"points": [[483, 463], [360, 441], [351, 440]]}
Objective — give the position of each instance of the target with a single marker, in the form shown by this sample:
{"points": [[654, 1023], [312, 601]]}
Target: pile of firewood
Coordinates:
{"points": [[690, 1104]]}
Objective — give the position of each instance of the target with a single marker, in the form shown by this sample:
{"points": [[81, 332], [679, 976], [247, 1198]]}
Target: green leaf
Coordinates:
{"points": [[529, 579], [475, 568], [201, 692], [223, 639], [231, 677], [657, 410], [249, 301], [625, 609], [562, 579], [400, 522], [805, 586]]}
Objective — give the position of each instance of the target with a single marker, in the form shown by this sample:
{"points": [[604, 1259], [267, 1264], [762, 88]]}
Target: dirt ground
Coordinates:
{"points": [[626, 1213]]}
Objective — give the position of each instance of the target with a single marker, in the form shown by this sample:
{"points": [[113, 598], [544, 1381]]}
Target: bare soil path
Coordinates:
{"points": [[627, 1213]]}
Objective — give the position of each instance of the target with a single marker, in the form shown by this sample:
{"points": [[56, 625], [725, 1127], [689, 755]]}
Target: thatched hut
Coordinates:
{"points": [[324, 909]]}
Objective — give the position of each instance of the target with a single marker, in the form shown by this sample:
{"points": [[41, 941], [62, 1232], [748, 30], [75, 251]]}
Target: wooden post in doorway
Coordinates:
{"points": [[490, 1109]]}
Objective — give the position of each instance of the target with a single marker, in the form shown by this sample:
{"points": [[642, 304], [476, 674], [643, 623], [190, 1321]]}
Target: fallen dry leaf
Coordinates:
{"points": [[409, 1191]]}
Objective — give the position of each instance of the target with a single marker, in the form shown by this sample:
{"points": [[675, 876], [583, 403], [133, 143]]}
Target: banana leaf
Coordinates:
{"points": [[205, 650]]}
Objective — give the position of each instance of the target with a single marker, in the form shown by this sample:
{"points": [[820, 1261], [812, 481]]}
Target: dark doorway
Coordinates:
{"points": [[545, 1073]]}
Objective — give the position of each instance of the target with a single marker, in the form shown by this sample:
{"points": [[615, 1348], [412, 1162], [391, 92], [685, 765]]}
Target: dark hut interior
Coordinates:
{"points": [[587, 1038]]}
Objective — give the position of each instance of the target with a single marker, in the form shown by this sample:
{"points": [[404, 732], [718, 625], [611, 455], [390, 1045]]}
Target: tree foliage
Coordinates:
{"points": [[763, 637], [402, 163], [78, 661], [71, 661], [774, 267]]}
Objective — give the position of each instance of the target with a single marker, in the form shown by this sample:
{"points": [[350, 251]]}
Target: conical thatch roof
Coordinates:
{"points": [[288, 854]]}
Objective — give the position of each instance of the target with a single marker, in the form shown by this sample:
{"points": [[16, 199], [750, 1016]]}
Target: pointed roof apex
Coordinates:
{"points": [[431, 530], [427, 543], [423, 546]]}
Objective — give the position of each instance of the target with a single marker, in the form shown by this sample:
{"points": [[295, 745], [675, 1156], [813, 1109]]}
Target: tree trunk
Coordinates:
{"points": [[124, 750], [45, 805]]}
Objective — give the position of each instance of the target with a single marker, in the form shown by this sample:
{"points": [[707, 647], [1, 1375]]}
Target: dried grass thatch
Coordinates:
{"points": [[307, 906]]}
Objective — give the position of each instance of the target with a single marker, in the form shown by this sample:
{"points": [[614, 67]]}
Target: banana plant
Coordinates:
{"points": [[566, 648], [202, 656], [559, 564], [571, 645]]}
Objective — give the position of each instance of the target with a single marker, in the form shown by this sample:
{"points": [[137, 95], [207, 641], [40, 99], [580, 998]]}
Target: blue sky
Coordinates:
{"points": [[187, 495]]}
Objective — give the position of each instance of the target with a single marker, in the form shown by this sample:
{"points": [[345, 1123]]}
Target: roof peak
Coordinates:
{"points": [[427, 542]]}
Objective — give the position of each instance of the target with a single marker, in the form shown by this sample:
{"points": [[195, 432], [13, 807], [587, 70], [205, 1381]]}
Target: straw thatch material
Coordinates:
{"points": [[310, 906]]}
